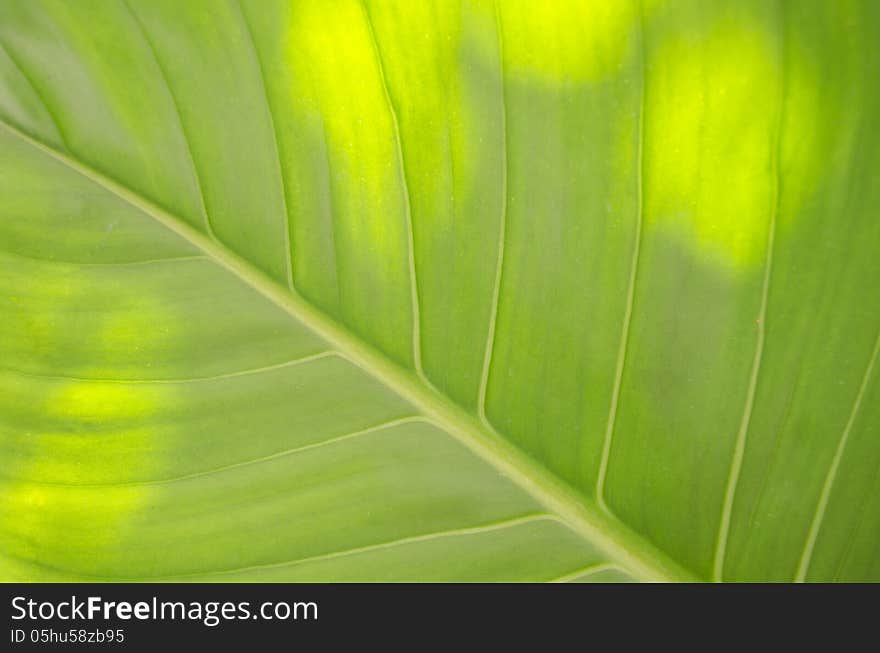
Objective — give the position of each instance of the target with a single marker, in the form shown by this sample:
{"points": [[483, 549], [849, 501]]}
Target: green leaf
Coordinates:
{"points": [[452, 290]]}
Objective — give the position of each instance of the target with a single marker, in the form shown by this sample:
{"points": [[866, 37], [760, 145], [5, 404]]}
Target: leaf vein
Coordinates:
{"points": [[489, 350], [631, 286], [105, 264], [415, 539], [410, 229], [195, 379], [196, 176], [288, 253], [831, 475], [736, 463], [585, 572], [245, 463], [30, 82]]}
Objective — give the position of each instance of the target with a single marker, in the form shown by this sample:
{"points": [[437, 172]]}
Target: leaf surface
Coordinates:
{"points": [[448, 291]]}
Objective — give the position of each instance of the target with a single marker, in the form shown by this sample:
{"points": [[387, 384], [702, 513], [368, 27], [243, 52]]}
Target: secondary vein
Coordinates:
{"points": [[146, 37], [742, 434], [288, 253], [631, 287], [407, 207], [489, 350], [831, 476], [244, 463]]}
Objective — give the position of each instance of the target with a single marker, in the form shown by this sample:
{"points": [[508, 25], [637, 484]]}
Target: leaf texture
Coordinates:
{"points": [[440, 291]]}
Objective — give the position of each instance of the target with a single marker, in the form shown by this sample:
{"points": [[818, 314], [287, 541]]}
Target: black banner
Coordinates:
{"points": [[147, 616]]}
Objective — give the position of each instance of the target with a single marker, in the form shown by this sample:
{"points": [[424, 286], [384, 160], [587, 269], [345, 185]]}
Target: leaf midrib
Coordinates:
{"points": [[599, 528]]}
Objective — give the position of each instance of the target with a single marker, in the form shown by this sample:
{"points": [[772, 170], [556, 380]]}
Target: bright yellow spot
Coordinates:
{"points": [[98, 403], [568, 40], [73, 447], [68, 528], [345, 127], [711, 126], [336, 67], [73, 456]]}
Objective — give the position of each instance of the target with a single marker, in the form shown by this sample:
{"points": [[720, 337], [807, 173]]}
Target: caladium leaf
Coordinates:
{"points": [[461, 290]]}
